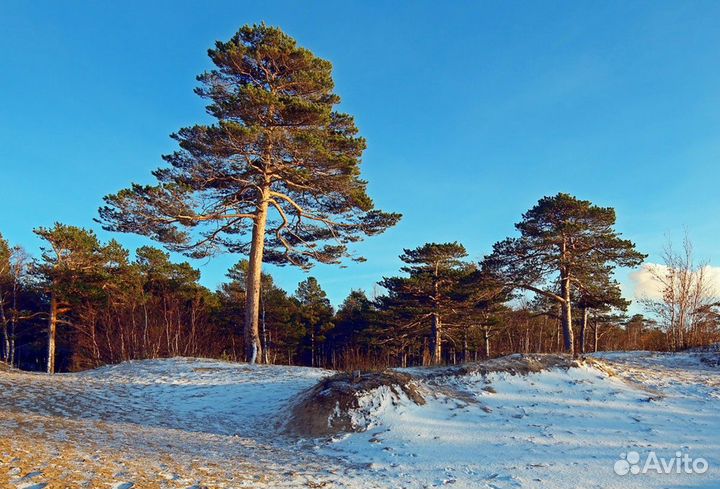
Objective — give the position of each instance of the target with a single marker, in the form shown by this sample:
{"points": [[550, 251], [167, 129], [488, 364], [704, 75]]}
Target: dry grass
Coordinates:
{"points": [[62, 454], [73, 432]]}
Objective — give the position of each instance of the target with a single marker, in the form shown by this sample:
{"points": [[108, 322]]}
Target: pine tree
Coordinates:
{"points": [[71, 257], [598, 291], [431, 289], [277, 178], [353, 328], [315, 314], [484, 297], [566, 240]]}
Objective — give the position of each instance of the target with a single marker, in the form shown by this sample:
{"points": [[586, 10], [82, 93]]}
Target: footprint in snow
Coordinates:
{"points": [[123, 485], [31, 475]]}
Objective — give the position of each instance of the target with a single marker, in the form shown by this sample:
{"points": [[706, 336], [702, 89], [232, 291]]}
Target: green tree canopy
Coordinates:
{"points": [[277, 177], [316, 315], [429, 292], [562, 240]]}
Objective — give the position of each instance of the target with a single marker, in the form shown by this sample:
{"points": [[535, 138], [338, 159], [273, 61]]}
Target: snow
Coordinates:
{"points": [[192, 423], [171, 423], [222, 398], [551, 429]]}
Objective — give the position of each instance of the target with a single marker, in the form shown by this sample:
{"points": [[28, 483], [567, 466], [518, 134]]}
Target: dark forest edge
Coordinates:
{"points": [[100, 306]]}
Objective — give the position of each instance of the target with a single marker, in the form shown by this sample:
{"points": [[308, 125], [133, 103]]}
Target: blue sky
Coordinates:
{"points": [[472, 112]]}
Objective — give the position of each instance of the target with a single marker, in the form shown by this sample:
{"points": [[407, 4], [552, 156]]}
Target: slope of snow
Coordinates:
{"points": [[561, 429], [175, 423], [220, 397], [194, 423]]}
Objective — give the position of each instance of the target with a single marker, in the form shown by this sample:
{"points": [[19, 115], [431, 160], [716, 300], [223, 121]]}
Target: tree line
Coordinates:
{"points": [[276, 179], [83, 303]]}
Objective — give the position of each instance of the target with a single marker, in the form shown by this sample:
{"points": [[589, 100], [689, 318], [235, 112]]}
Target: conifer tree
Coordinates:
{"points": [[276, 178], [430, 290], [353, 321], [566, 240], [69, 259], [484, 297], [598, 291], [315, 315]]}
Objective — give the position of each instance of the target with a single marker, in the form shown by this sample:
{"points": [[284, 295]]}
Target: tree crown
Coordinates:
{"points": [[278, 142], [562, 235]]}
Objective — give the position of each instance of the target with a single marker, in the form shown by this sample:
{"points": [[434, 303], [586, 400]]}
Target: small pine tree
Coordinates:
{"points": [[315, 314], [70, 264], [431, 289]]}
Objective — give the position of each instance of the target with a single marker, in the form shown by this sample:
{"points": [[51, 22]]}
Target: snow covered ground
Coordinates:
{"points": [[188, 423], [561, 429], [175, 423]]}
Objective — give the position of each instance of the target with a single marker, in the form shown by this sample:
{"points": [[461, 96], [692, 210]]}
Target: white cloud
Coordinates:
{"points": [[646, 287]]}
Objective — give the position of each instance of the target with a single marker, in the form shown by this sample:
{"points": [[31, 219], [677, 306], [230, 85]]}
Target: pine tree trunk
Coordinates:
{"points": [[253, 347], [11, 356], [4, 330], [6, 342], [596, 337], [436, 323], [436, 339], [568, 340], [13, 321], [52, 331], [583, 328], [265, 349], [312, 347], [465, 345], [426, 355], [486, 338]]}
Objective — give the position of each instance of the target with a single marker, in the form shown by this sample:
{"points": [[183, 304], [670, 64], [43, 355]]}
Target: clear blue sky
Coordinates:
{"points": [[472, 111]]}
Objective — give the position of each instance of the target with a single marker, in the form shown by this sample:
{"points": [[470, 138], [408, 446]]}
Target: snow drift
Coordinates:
{"points": [[354, 402], [349, 402]]}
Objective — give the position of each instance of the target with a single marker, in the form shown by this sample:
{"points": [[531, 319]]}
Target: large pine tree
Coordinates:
{"points": [[562, 240], [276, 178]]}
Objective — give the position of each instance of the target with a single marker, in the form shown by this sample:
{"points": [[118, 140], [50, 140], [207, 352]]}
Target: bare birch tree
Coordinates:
{"points": [[688, 301]]}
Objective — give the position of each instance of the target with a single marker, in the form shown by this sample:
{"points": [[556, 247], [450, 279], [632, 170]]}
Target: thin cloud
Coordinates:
{"points": [[645, 286]]}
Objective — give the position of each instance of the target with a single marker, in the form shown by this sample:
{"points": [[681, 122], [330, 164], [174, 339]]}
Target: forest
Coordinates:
{"points": [[95, 303], [276, 180]]}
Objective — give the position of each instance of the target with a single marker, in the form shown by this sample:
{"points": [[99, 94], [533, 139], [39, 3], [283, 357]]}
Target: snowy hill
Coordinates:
{"points": [[192, 423], [557, 428]]}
